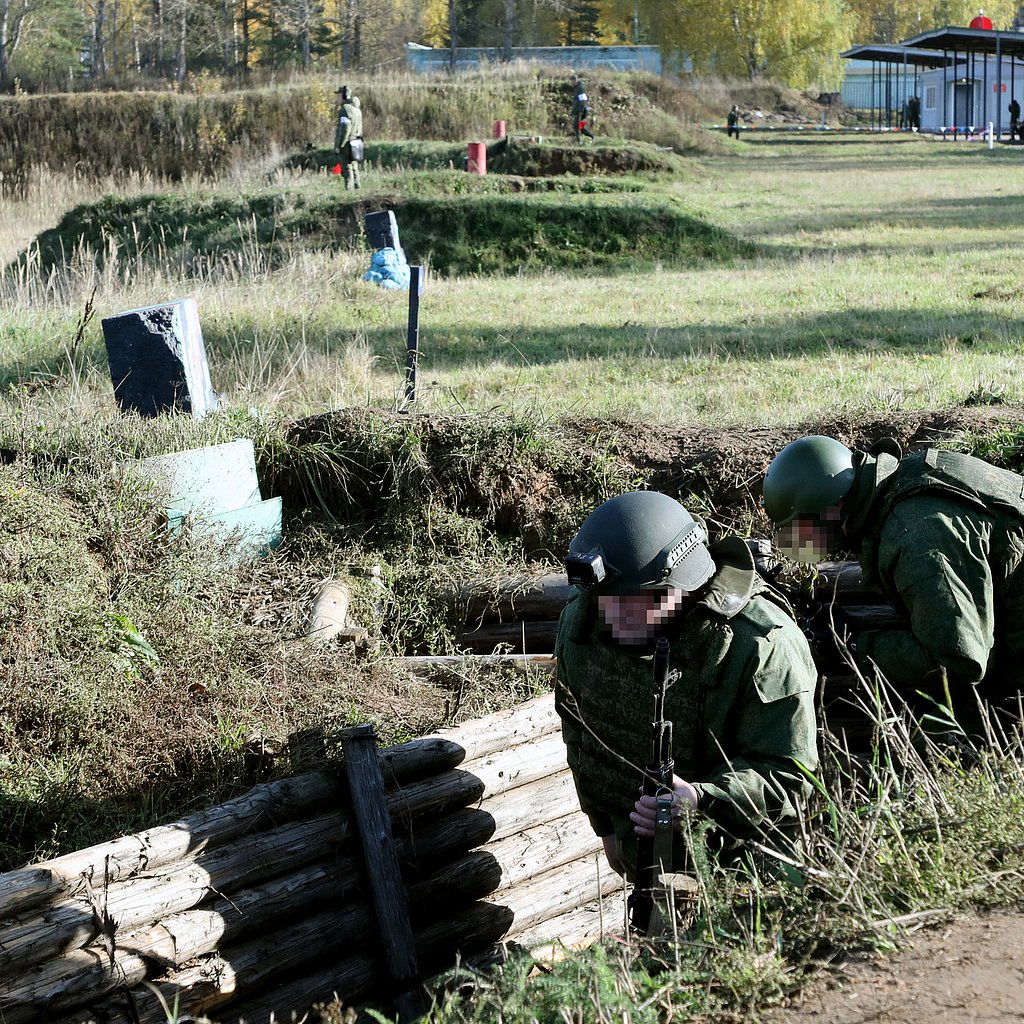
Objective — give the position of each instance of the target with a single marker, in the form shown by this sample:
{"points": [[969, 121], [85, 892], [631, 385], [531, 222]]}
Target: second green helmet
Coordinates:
{"points": [[806, 477]]}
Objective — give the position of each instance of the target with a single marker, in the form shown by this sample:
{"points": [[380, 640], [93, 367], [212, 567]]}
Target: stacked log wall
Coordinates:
{"points": [[262, 905]]}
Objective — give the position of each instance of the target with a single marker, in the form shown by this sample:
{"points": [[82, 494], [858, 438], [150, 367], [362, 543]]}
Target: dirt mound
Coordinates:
{"points": [[534, 482], [725, 467], [545, 160]]}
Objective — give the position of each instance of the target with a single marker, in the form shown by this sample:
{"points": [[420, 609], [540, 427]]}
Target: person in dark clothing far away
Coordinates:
{"points": [[733, 122], [580, 113]]}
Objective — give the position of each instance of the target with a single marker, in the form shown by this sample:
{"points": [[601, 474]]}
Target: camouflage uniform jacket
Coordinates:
{"points": [[742, 706], [350, 124], [942, 535]]}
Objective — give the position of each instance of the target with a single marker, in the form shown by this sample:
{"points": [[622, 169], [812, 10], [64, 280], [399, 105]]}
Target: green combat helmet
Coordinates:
{"points": [[639, 541], [806, 477]]}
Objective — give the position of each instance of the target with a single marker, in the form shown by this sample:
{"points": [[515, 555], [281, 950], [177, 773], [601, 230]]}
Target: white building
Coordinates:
{"points": [[963, 77]]}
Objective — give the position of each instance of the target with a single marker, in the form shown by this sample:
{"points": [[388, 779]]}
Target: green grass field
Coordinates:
{"points": [[884, 277]]}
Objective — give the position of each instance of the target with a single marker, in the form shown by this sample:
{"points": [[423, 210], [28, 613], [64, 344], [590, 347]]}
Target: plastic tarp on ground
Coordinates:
{"points": [[388, 268]]}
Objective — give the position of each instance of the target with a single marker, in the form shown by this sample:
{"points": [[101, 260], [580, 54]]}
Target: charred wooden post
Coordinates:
{"points": [[366, 784]]}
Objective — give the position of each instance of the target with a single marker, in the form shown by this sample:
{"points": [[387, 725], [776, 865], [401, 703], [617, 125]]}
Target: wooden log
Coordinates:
{"points": [[529, 637], [366, 785], [504, 729], [86, 975], [579, 926], [516, 599], [474, 929], [210, 981], [842, 578], [553, 939], [469, 930], [556, 891], [264, 806], [242, 971], [446, 792], [513, 597], [351, 980], [550, 844], [525, 663], [529, 762], [475, 876], [523, 807], [874, 616], [416, 759], [429, 841], [72, 923], [329, 611]]}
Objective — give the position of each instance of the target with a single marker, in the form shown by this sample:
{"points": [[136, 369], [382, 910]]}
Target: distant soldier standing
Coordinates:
{"points": [[733, 122], [580, 108], [914, 114], [348, 137]]}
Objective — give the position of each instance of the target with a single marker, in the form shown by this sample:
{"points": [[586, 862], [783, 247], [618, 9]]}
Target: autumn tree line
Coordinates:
{"points": [[55, 45]]}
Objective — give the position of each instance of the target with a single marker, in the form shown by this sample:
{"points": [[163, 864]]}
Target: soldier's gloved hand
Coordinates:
{"points": [[645, 810], [830, 632]]}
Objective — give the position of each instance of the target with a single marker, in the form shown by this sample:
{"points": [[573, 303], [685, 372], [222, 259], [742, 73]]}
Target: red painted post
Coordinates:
{"points": [[477, 158], [499, 129]]}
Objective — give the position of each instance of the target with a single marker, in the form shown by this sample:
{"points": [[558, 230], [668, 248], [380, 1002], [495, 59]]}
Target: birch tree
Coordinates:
{"points": [[15, 18]]}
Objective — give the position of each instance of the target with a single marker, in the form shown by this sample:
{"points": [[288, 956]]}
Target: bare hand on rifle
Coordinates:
{"points": [[646, 808]]}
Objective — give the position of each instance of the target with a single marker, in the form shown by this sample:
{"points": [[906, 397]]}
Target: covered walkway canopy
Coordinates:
{"points": [[965, 44], [895, 72]]}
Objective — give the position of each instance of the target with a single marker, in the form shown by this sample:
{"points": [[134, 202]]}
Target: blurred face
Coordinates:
{"points": [[811, 538], [634, 619]]}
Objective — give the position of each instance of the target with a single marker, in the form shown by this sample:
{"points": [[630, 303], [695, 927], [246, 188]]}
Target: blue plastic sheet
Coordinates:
{"points": [[388, 268]]}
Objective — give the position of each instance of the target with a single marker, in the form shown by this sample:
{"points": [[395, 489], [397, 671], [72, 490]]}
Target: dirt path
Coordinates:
{"points": [[970, 971]]}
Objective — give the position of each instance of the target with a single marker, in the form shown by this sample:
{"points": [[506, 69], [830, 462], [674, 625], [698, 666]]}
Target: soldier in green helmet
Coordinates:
{"points": [[741, 699], [940, 533]]}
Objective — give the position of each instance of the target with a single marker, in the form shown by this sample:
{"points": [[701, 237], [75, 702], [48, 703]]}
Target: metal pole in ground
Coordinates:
{"points": [[412, 342]]}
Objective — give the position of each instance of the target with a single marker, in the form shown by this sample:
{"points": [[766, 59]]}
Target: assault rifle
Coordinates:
{"points": [[654, 853]]}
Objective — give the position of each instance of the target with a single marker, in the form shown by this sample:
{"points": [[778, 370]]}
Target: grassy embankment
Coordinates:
{"points": [[872, 284]]}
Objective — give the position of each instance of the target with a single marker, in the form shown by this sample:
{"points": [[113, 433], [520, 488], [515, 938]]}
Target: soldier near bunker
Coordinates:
{"points": [[941, 534], [741, 693], [580, 112], [348, 136]]}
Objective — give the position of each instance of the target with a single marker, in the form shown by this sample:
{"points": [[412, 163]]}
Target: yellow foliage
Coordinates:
{"points": [[792, 41], [321, 102], [890, 21], [435, 23]]}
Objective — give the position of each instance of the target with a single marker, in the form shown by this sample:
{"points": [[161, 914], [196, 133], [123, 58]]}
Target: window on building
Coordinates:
{"points": [[929, 97]]}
